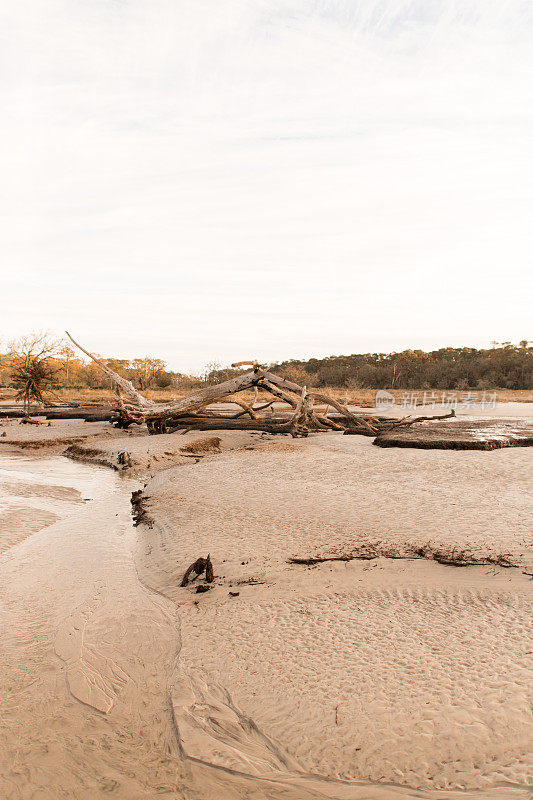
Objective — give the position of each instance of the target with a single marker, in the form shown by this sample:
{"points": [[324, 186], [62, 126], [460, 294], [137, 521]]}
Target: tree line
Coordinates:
{"points": [[61, 368], [503, 366]]}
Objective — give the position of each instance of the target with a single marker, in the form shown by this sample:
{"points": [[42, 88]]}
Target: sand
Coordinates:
{"points": [[396, 671], [54, 434], [389, 678]]}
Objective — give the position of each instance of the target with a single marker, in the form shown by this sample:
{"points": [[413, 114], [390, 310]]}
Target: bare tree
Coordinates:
{"points": [[33, 370]]}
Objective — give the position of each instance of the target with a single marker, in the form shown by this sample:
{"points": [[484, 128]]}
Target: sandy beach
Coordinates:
{"points": [[266, 400], [372, 672]]}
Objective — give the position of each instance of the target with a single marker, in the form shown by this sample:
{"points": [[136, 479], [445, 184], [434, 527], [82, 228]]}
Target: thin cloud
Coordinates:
{"points": [[313, 176]]}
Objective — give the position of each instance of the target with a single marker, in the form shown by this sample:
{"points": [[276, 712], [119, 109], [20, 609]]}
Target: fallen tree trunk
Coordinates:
{"points": [[89, 413], [202, 397], [146, 410], [185, 412], [220, 423], [18, 413], [127, 387], [94, 415]]}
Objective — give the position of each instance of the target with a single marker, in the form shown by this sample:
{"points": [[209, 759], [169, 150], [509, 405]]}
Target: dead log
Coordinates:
{"points": [[220, 423], [124, 384], [88, 413], [94, 415], [143, 410], [411, 421], [202, 397], [185, 412], [384, 426], [13, 413]]}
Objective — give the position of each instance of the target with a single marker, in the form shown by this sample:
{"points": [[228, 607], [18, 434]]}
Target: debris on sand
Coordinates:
{"points": [[198, 567], [192, 411], [139, 510], [211, 444]]}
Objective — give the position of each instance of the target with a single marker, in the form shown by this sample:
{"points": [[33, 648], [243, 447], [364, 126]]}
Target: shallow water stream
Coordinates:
{"points": [[38, 491], [87, 652]]}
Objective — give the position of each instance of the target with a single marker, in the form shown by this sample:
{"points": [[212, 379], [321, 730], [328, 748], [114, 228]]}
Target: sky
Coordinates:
{"points": [[215, 180]]}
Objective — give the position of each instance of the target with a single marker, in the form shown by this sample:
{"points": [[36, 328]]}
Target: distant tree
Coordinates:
{"points": [[67, 355], [297, 373], [145, 370], [164, 380]]}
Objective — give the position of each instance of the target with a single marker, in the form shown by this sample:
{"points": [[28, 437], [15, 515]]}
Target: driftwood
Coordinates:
{"points": [[220, 423], [88, 413], [192, 411], [198, 567], [453, 558], [93, 415], [124, 384], [379, 427]]}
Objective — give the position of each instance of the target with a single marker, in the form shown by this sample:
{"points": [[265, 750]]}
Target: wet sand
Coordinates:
{"points": [[33, 494], [389, 678]]}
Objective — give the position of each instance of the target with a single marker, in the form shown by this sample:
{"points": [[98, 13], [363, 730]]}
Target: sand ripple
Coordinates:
{"points": [[427, 688]]}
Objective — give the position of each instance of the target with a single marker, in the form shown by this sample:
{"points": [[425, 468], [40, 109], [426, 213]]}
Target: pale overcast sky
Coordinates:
{"points": [[221, 179]]}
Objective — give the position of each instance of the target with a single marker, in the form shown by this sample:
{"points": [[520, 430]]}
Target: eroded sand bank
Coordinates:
{"points": [[377, 679]]}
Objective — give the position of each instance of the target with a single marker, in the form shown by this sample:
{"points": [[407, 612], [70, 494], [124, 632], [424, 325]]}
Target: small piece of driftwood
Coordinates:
{"points": [[198, 567]]}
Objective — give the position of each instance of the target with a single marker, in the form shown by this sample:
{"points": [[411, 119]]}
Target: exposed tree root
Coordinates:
{"points": [[198, 567]]}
